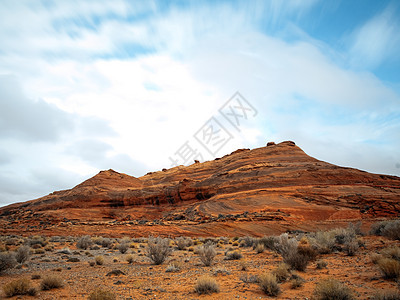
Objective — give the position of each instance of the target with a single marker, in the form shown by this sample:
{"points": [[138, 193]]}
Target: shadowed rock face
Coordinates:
{"points": [[277, 182]]}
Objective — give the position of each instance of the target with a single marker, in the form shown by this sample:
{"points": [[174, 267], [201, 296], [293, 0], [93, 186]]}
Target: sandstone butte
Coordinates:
{"points": [[256, 192]]}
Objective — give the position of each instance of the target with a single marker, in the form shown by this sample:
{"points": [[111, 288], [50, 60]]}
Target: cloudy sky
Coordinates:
{"points": [[138, 86]]}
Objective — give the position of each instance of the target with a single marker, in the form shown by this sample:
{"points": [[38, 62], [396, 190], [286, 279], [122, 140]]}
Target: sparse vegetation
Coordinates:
{"points": [[321, 264], [19, 287], [387, 295], [99, 260], [296, 282], [22, 254], [260, 248], [207, 254], [181, 243], [123, 247], [84, 242], [332, 289], [269, 284], [174, 266], [51, 282], [233, 255], [390, 229], [206, 285], [158, 250], [130, 258], [389, 267], [282, 272], [7, 261], [101, 294]]}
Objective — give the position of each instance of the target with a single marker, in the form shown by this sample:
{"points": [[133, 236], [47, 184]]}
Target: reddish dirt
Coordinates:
{"points": [[266, 190]]}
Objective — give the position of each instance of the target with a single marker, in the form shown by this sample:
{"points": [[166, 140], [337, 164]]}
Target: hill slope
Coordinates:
{"points": [[259, 191]]}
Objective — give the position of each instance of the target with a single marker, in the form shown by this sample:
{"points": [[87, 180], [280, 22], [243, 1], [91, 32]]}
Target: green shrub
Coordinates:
{"points": [[51, 282], [158, 250], [206, 285], [269, 284], [332, 289], [100, 294], [19, 287]]}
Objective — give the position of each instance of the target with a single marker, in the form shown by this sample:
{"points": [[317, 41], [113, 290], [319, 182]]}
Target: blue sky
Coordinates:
{"points": [[92, 85]]}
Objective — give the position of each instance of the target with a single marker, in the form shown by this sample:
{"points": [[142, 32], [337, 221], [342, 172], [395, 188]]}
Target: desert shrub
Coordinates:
{"points": [[390, 229], [325, 241], [249, 279], [375, 257], [130, 259], [206, 285], [174, 266], [269, 285], [269, 242], [233, 255], [389, 267], [22, 254], [392, 252], [37, 240], [296, 260], [282, 272], [51, 282], [332, 289], [307, 251], [351, 247], [84, 242], [158, 250], [123, 247], [65, 251], [181, 243], [7, 261], [207, 254], [243, 265], [260, 248], [100, 294], [284, 245], [247, 241], [99, 260], [221, 270], [321, 264], [296, 282], [19, 287], [387, 295], [39, 251]]}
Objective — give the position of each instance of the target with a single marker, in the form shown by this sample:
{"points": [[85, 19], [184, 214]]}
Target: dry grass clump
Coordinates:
{"points": [[100, 294], [207, 254], [99, 260], [174, 266], [19, 287], [332, 289], [123, 247], [269, 284], [260, 248], [158, 250], [387, 295], [389, 267], [182, 242], [321, 264], [51, 282], [206, 285], [392, 252], [296, 281], [130, 258]]}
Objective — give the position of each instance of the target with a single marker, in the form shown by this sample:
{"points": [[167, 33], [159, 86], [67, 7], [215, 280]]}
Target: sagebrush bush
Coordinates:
{"points": [[233, 255], [325, 241], [296, 282], [130, 258], [22, 254], [260, 248], [390, 229], [207, 254], [351, 247], [282, 272], [269, 285], [296, 260], [181, 243], [332, 289], [51, 282], [206, 285], [307, 251], [37, 240], [392, 252], [389, 267], [101, 294], [7, 261], [158, 250], [285, 245], [247, 241], [269, 242], [19, 287], [174, 266], [84, 242], [123, 247]]}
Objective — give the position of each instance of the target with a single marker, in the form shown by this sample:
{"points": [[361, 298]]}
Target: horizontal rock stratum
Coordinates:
{"points": [[260, 191]]}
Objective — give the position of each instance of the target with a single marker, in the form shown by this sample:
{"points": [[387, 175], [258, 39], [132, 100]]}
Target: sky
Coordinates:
{"points": [[137, 86]]}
